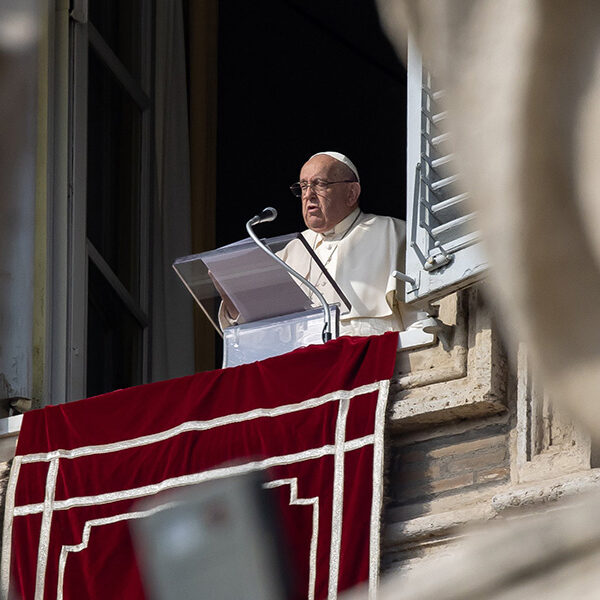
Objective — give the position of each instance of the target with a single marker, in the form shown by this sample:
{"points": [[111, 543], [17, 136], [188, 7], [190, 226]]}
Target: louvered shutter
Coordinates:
{"points": [[443, 249]]}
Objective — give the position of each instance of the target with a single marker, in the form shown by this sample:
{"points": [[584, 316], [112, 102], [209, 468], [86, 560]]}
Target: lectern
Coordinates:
{"points": [[277, 313]]}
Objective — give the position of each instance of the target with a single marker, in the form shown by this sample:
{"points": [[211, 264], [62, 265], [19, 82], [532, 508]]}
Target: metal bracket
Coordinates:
{"points": [[16, 405], [406, 278], [79, 11], [420, 333], [424, 332], [435, 261]]}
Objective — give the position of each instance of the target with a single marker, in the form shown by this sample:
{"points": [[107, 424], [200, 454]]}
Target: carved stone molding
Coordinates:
{"points": [[463, 377], [546, 440]]}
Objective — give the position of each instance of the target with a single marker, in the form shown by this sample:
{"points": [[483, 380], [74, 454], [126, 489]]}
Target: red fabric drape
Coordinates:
{"points": [[313, 417]]}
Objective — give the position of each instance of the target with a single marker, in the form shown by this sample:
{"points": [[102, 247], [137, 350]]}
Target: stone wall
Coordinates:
{"points": [[8, 443], [471, 437], [456, 461]]}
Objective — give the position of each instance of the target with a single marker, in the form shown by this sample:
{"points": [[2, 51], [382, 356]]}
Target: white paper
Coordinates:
{"points": [[258, 286]]}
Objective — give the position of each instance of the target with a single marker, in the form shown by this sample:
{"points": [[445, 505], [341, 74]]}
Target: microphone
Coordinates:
{"points": [[266, 215], [270, 214]]}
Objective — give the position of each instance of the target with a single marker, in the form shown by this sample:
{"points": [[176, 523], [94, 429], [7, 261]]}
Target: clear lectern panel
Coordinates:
{"points": [[255, 285], [248, 343]]}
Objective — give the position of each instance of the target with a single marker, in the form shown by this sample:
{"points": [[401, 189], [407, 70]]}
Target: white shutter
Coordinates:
{"points": [[443, 248]]}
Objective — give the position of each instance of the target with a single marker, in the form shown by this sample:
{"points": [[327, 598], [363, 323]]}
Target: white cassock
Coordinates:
{"points": [[360, 254]]}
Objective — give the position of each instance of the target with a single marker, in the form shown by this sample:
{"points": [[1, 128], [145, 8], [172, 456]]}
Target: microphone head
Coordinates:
{"points": [[267, 214]]}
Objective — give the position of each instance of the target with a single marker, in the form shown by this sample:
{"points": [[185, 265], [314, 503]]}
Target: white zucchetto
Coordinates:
{"points": [[342, 158]]}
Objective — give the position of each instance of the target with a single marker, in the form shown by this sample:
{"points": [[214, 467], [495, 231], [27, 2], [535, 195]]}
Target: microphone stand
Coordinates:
{"points": [[270, 214]]}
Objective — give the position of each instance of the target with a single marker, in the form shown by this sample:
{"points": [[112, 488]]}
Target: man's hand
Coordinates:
{"points": [[232, 312]]}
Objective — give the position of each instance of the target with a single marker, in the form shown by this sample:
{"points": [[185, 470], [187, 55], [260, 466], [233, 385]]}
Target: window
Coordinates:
{"points": [[82, 304], [443, 246], [107, 266]]}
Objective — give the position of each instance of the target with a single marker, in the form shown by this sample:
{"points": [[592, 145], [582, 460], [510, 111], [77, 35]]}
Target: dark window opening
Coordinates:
{"points": [[296, 78]]}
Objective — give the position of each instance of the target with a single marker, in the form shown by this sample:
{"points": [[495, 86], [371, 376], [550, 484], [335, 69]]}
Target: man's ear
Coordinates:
{"points": [[353, 194]]}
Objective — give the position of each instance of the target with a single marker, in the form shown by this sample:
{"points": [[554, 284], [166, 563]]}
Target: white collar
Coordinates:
{"points": [[342, 228]]}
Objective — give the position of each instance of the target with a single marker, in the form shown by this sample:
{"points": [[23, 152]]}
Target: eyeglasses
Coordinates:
{"points": [[318, 185]]}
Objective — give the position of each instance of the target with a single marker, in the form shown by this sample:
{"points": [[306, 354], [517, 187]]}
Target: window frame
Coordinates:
{"points": [[71, 249]]}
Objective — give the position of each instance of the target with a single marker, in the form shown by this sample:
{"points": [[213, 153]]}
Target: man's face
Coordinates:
{"points": [[323, 210]]}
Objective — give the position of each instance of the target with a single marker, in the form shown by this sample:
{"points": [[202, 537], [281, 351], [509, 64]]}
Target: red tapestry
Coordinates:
{"points": [[312, 418]]}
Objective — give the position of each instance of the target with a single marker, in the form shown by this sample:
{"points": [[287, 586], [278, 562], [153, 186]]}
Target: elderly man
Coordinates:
{"points": [[359, 250]]}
